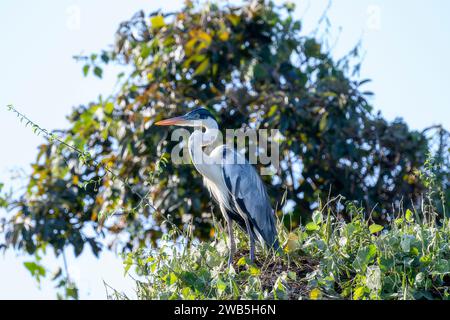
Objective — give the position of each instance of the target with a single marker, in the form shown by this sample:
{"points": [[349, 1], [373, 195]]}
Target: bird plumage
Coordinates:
{"points": [[231, 180]]}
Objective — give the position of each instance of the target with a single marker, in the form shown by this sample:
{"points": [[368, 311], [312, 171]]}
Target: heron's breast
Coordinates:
{"points": [[219, 192]]}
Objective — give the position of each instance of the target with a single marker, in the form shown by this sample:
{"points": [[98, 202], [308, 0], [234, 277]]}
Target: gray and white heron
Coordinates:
{"points": [[232, 181]]}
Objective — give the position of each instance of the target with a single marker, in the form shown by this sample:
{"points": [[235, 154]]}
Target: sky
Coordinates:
{"points": [[406, 55]]}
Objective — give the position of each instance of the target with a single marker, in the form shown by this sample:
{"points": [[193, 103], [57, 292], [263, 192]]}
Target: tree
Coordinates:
{"points": [[245, 64]]}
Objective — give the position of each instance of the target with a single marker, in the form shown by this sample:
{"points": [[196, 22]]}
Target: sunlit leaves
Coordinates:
{"points": [[224, 35], [374, 228], [234, 19], [311, 226], [202, 67], [157, 22], [109, 107], [409, 216], [315, 294], [36, 270], [198, 41]]}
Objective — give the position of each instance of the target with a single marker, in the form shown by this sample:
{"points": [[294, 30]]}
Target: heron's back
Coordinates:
{"points": [[244, 194]]}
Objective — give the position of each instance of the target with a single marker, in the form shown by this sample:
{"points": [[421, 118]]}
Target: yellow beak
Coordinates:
{"points": [[171, 121]]}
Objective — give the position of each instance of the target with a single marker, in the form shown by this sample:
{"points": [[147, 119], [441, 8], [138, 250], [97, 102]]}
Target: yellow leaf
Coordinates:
{"points": [[204, 36], [157, 22], [199, 57], [254, 271], [323, 122], [188, 62], [315, 294], [189, 46], [358, 293], [224, 35], [99, 200], [75, 180], [181, 16], [234, 19], [109, 107], [202, 67]]}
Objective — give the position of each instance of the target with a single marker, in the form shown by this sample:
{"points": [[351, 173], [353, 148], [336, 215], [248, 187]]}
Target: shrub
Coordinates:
{"points": [[329, 258]]}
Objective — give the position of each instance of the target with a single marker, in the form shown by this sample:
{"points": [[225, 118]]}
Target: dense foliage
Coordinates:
{"points": [[248, 64], [329, 258], [3, 198]]}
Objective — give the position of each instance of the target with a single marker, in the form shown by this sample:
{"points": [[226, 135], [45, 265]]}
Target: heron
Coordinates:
{"points": [[232, 181]]}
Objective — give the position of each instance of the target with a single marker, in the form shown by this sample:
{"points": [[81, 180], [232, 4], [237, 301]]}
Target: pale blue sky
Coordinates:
{"points": [[407, 57]]}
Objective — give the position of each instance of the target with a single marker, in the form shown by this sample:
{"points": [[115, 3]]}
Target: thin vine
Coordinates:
{"points": [[86, 158]]}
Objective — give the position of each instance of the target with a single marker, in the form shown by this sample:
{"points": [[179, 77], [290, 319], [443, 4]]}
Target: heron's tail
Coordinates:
{"points": [[270, 235]]}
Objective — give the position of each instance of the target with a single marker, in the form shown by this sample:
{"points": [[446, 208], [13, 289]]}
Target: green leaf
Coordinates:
{"points": [[128, 262], [323, 122], [374, 228], [414, 251], [109, 107], [312, 48], [409, 216], [170, 278], [104, 57], [386, 263], [260, 72], [35, 269], [364, 257], [405, 243], [98, 72], [292, 275], [272, 110], [317, 217], [202, 67], [221, 286], [86, 69], [426, 260], [311, 226]]}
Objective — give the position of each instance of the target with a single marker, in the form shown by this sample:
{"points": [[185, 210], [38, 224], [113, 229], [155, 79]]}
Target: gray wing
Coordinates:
{"points": [[249, 193]]}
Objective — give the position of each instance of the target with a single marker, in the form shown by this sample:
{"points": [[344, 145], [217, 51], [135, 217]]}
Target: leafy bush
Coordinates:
{"points": [[329, 258]]}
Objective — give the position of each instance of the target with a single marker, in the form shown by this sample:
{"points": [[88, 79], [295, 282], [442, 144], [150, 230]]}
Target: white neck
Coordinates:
{"points": [[198, 140]]}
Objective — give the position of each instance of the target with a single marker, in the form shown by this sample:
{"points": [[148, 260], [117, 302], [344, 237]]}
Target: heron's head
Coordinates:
{"points": [[196, 118]]}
